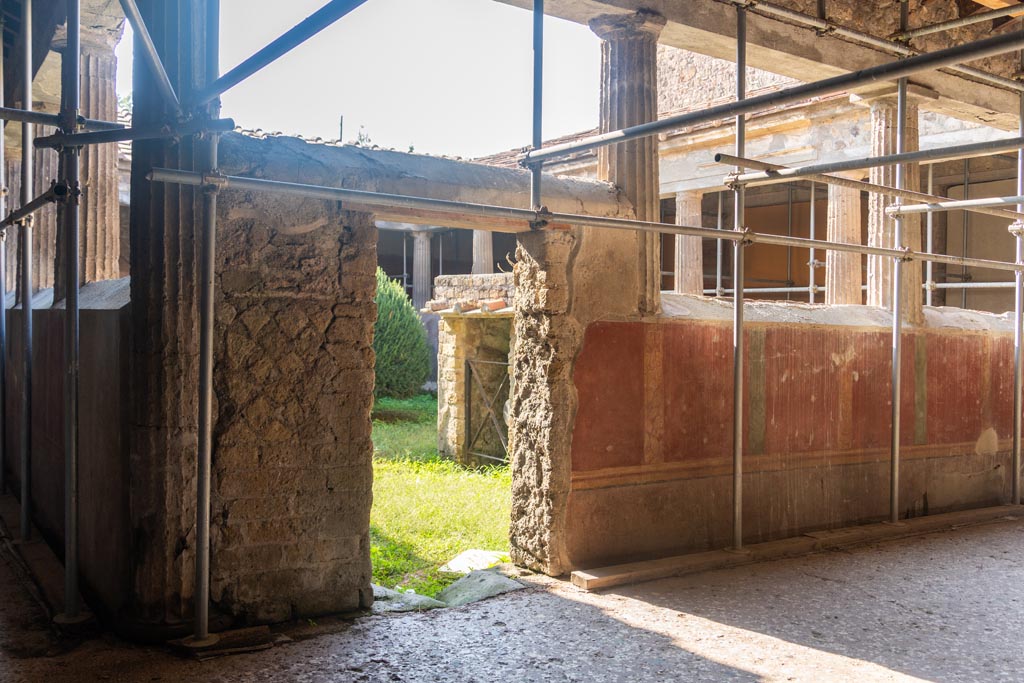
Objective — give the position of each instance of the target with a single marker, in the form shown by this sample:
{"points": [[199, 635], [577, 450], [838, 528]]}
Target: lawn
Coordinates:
{"points": [[427, 510]]}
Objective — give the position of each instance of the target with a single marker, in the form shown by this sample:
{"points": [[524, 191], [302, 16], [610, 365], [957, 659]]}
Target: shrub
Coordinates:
{"points": [[400, 342]]}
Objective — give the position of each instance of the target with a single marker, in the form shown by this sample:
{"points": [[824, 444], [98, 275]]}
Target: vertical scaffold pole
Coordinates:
{"points": [[70, 102], [538, 99], [1017, 230], [719, 250], [3, 294], [208, 162], [739, 220], [25, 237], [811, 286], [897, 313], [929, 286]]}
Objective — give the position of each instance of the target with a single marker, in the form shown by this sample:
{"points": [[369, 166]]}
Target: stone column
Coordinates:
{"points": [[689, 263], [629, 96], [421, 279], [483, 252], [99, 217], [882, 228], [842, 269]]}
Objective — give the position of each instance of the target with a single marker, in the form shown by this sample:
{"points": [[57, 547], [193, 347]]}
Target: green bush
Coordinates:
{"points": [[400, 342]]}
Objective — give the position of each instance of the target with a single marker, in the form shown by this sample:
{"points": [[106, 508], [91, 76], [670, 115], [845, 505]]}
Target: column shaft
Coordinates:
{"points": [[629, 96], [100, 243], [483, 252], [421, 279], [843, 269], [882, 228], [689, 261]]}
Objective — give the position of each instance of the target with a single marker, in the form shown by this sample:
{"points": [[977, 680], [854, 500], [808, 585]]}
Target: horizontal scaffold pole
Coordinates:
{"points": [[193, 127], [954, 205], [884, 72], [790, 173], [542, 217], [56, 193], [44, 119], [866, 187]]}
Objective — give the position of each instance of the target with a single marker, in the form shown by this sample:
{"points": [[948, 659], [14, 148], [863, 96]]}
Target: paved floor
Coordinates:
{"points": [[945, 607]]}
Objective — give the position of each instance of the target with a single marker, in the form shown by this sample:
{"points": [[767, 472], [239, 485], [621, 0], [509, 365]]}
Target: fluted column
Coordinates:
{"points": [[629, 96], [420, 269], [842, 269], [483, 252], [100, 211], [882, 228], [689, 261]]}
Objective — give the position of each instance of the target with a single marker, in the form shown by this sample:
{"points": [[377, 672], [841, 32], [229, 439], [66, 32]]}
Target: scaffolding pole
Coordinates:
{"points": [[785, 174], [25, 236], [3, 292], [376, 200], [1017, 230], [538, 99], [954, 205], [286, 42], [929, 278], [871, 187], [892, 70], [897, 309], [44, 119], [156, 65], [812, 286], [959, 23], [153, 132], [719, 244], [738, 351], [69, 170], [831, 28], [201, 635]]}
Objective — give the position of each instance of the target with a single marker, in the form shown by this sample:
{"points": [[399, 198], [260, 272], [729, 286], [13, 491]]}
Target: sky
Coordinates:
{"points": [[441, 76]]}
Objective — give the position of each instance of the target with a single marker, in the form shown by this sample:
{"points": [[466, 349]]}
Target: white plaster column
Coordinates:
{"points": [[689, 261], [629, 96], [421, 279], [483, 252], [882, 228], [842, 269]]}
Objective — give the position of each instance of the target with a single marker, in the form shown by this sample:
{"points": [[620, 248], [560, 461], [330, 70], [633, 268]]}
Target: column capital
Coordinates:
{"points": [[885, 95], [621, 26]]}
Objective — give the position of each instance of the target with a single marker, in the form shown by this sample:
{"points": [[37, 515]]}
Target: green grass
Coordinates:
{"points": [[427, 510]]}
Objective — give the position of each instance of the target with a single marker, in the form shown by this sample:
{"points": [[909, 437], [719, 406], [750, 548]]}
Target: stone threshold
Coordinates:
{"points": [[812, 542]]}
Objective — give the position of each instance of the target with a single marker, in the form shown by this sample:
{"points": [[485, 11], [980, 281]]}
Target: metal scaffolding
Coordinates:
{"points": [[201, 117]]}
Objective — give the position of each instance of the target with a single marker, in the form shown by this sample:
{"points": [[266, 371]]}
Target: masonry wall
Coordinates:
{"points": [[294, 384], [651, 443]]}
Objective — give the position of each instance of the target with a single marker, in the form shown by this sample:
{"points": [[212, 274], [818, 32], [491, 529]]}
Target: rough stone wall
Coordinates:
{"points": [[547, 339], [450, 289], [688, 80], [294, 382]]}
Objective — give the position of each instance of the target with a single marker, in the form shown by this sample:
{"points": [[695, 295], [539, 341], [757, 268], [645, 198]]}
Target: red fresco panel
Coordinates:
{"points": [[698, 391], [1002, 385], [802, 403], [609, 430], [956, 366]]}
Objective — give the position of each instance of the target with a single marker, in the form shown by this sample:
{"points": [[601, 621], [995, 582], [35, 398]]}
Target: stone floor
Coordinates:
{"points": [[944, 607]]}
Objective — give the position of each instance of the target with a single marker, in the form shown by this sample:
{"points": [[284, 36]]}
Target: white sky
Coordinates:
{"points": [[446, 76]]}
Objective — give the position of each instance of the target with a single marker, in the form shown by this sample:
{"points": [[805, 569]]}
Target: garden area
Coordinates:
{"points": [[426, 510]]}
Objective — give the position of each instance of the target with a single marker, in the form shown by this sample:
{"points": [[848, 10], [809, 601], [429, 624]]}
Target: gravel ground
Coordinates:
{"points": [[944, 607]]}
